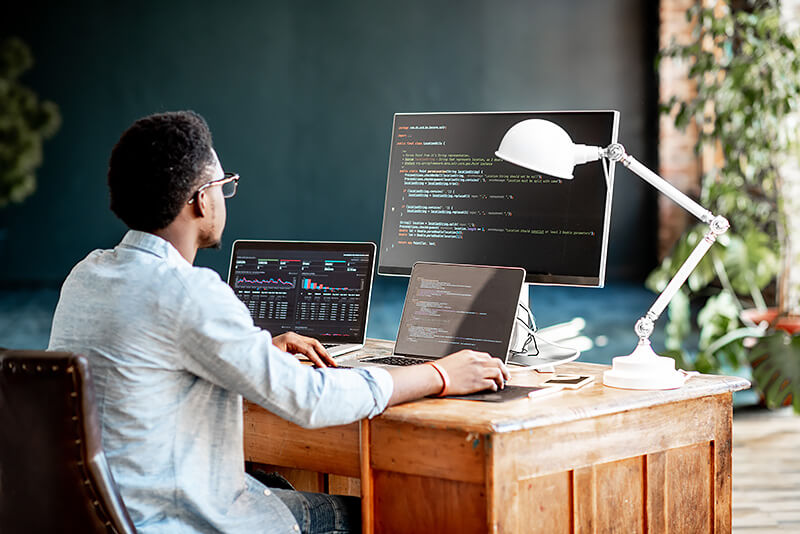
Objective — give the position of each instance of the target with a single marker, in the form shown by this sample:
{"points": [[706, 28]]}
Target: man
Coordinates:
{"points": [[173, 350]]}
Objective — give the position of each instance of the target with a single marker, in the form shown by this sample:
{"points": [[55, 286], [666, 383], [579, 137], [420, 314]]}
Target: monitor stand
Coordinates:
{"points": [[550, 353]]}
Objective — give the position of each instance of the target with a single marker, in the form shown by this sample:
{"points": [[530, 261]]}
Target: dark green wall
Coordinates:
{"points": [[300, 97]]}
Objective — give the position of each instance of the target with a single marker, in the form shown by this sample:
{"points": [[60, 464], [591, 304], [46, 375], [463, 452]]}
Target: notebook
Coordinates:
{"points": [[450, 307], [317, 289]]}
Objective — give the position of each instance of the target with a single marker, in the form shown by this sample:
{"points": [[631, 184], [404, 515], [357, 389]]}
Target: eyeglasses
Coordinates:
{"points": [[229, 183]]}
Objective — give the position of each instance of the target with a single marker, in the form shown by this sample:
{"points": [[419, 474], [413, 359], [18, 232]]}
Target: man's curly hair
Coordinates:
{"points": [[156, 166]]}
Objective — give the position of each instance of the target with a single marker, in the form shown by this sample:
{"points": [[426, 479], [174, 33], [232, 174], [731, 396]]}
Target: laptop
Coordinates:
{"points": [[450, 307], [317, 289]]}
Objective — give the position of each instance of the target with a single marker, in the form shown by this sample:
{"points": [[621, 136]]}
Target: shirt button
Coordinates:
{"points": [[296, 528], [267, 493]]}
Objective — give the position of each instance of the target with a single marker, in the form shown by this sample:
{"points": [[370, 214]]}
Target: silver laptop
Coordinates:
{"points": [[317, 289], [450, 307]]}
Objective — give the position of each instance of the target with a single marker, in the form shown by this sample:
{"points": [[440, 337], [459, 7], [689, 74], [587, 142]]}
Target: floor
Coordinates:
{"points": [[766, 471], [766, 448]]}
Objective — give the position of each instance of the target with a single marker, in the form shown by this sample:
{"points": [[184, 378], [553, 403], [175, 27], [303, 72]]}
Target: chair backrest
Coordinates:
{"points": [[53, 471]]}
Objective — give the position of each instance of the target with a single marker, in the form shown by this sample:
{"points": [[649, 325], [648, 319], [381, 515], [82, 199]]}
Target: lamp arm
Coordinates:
{"points": [[645, 325], [718, 225], [616, 152]]}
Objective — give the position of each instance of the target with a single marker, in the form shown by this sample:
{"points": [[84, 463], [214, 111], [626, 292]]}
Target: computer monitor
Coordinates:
{"points": [[450, 199], [317, 289]]}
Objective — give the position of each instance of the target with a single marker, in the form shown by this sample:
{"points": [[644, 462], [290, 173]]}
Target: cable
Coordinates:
{"points": [[532, 329], [531, 337], [530, 326]]}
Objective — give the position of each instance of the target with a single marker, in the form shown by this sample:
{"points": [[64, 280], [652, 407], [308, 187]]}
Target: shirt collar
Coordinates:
{"points": [[152, 244]]}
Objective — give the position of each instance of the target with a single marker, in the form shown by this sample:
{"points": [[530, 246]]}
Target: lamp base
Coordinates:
{"points": [[643, 369]]}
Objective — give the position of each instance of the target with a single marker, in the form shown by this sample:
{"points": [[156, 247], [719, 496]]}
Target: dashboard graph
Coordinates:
{"points": [[261, 282], [312, 292]]}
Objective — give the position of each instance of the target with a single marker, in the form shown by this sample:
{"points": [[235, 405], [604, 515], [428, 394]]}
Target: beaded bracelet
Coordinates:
{"points": [[445, 379]]}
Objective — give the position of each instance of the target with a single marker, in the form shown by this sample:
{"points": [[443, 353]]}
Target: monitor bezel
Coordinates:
{"points": [[530, 278]]}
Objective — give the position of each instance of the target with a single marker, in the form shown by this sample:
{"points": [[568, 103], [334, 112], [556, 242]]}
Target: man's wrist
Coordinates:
{"points": [[445, 378]]}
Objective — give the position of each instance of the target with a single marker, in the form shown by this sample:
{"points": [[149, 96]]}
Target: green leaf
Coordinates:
{"points": [[679, 324], [751, 260], [775, 360], [657, 280], [681, 359], [682, 117], [705, 364], [718, 318], [15, 58]]}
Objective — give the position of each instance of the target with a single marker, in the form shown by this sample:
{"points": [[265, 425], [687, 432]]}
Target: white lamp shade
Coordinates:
{"points": [[540, 146], [545, 147]]}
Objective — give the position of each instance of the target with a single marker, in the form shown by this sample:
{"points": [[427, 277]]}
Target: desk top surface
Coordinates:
{"points": [[592, 400]]}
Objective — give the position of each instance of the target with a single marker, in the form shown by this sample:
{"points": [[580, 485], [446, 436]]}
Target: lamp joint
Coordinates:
{"points": [[615, 152], [719, 225], [644, 326]]}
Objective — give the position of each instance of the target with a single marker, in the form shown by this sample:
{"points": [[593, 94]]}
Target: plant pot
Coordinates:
{"points": [[789, 323]]}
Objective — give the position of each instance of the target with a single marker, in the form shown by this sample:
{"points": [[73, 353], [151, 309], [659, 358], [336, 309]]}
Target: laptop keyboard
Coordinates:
{"points": [[394, 360]]}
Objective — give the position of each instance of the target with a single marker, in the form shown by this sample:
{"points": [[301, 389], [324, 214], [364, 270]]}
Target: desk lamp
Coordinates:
{"points": [[545, 147]]}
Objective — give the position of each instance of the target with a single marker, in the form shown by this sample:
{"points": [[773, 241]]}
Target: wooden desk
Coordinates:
{"points": [[593, 460]]}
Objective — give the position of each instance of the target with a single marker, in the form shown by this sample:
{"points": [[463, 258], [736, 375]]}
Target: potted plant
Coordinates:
{"points": [[25, 122], [746, 71]]}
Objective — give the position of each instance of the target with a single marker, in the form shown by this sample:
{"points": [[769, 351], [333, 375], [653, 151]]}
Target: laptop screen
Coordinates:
{"points": [[452, 307], [317, 289]]}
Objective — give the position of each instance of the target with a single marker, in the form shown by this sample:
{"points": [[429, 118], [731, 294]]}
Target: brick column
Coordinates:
{"points": [[678, 162]]}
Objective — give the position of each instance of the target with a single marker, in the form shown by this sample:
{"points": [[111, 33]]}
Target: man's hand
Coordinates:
{"points": [[469, 371], [307, 346], [472, 371]]}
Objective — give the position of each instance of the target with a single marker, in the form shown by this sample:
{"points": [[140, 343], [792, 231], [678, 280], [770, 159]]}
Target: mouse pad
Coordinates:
{"points": [[508, 393]]}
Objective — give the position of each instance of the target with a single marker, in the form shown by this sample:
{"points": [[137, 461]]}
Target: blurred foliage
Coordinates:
{"points": [[25, 122], [775, 360], [746, 71]]}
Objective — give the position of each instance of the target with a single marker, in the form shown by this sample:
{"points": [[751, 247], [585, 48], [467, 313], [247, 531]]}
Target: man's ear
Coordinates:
{"points": [[200, 204]]}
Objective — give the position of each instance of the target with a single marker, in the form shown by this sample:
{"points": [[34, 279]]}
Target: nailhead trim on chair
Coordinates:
{"points": [[82, 466]]}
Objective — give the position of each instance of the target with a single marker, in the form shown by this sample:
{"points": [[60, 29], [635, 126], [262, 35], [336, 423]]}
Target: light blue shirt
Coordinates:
{"points": [[172, 351]]}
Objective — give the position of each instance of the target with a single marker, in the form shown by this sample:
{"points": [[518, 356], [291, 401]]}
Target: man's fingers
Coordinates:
{"points": [[323, 353], [310, 348], [308, 351], [497, 377], [504, 370], [489, 384], [496, 363]]}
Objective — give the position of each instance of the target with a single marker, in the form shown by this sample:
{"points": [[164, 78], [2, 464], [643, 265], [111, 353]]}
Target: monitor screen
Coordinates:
{"points": [[317, 289], [450, 199]]}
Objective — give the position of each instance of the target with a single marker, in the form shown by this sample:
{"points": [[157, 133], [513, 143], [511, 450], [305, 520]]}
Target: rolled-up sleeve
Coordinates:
{"points": [[221, 344]]}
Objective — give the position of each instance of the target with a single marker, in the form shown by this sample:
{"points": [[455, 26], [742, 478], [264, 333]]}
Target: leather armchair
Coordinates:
{"points": [[53, 471]]}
